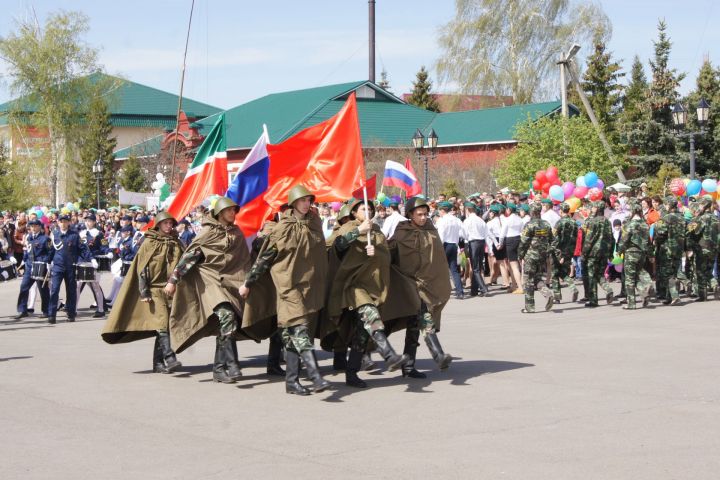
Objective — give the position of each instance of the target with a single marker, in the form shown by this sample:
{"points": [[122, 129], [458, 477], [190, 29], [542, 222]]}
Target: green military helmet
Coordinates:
{"points": [[223, 203], [298, 192], [565, 207], [344, 212], [413, 203], [162, 216], [355, 204]]}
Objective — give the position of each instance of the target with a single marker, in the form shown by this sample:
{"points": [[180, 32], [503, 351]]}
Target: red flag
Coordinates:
{"points": [[371, 185], [326, 158], [415, 189]]}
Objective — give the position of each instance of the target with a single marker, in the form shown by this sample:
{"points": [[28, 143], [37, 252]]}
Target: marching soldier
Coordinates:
{"points": [[535, 246], [564, 241], [142, 309], [670, 245], [702, 239], [39, 249], [635, 245], [596, 250]]}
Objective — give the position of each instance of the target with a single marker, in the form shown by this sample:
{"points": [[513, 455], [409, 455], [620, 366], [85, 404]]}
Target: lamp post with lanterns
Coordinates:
{"points": [[98, 169], [418, 142], [679, 117]]}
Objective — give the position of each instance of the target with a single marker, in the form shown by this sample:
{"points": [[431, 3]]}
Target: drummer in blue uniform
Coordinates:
{"points": [[96, 243], [38, 254], [140, 224], [68, 249], [126, 252]]}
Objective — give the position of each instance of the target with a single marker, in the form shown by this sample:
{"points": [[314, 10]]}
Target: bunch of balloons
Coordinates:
{"points": [[694, 188], [549, 184]]}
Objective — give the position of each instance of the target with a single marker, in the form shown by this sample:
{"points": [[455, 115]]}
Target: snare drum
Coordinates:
{"points": [[84, 272], [39, 271], [125, 268], [103, 264], [7, 271]]}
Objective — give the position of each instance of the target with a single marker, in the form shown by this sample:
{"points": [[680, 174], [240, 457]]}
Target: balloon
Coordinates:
{"points": [[396, 199], [45, 220], [618, 268], [686, 181], [677, 186], [591, 179], [574, 203], [551, 173], [580, 191], [580, 181], [568, 189], [557, 181], [709, 185], [557, 193], [600, 184], [335, 206], [693, 188], [540, 176], [546, 187], [385, 202], [536, 185], [39, 213], [595, 194], [617, 260], [381, 197]]}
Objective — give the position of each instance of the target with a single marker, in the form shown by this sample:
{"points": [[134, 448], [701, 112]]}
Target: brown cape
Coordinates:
{"points": [[214, 280], [419, 273], [131, 319], [294, 287]]}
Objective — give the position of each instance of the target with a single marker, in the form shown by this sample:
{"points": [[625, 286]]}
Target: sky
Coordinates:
{"points": [[240, 50]]}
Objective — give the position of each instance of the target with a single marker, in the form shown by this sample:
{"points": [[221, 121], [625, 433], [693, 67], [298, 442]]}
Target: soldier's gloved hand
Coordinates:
{"points": [[13, 260], [364, 227], [94, 263], [109, 255]]}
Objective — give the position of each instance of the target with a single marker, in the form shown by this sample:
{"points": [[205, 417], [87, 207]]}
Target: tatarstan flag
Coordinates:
{"points": [[207, 174]]}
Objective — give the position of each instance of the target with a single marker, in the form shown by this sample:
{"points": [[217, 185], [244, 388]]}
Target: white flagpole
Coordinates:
{"points": [[367, 211]]}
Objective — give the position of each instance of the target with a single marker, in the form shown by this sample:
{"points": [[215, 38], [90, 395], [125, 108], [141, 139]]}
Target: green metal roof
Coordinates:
{"points": [[385, 121], [149, 147]]}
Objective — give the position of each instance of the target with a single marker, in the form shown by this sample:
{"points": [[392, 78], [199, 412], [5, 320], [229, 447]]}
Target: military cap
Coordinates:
{"points": [[91, 217], [298, 192], [127, 228], [413, 203], [343, 212], [162, 216], [64, 217], [525, 207], [546, 201], [127, 218], [445, 206], [470, 205], [511, 206], [223, 203], [142, 219], [35, 222]]}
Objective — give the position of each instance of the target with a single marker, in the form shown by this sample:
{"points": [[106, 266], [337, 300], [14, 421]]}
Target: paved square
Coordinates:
{"points": [[570, 394]]}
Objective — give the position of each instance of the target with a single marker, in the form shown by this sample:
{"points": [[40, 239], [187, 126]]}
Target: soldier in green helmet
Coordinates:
{"points": [[215, 263], [702, 237], [535, 246], [564, 240], [294, 257], [596, 251], [635, 245], [669, 248]]}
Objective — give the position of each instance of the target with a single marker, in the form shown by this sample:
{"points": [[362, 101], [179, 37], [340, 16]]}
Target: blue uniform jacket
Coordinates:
{"points": [[68, 250], [127, 252], [96, 244], [41, 250]]}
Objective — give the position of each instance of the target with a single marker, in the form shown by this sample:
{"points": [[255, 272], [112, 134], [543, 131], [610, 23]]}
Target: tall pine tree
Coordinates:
{"points": [[707, 144], [96, 144], [635, 93], [665, 80], [420, 95]]}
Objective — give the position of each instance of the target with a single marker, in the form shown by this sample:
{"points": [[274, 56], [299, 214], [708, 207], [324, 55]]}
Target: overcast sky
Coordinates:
{"points": [[241, 50]]}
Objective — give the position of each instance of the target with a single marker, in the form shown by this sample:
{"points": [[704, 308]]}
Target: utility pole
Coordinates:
{"points": [[371, 40]]}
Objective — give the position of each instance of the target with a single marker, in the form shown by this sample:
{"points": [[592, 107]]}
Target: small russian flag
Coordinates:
{"points": [[396, 175]]}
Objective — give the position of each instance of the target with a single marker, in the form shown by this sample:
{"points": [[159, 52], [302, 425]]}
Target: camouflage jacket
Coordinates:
{"points": [[703, 233], [565, 237], [535, 240], [670, 234], [635, 237], [597, 239]]}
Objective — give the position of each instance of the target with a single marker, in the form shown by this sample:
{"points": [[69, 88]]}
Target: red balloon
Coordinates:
{"points": [[540, 177], [551, 173], [580, 192], [546, 187], [677, 186], [536, 185], [595, 194], [557, 181]]}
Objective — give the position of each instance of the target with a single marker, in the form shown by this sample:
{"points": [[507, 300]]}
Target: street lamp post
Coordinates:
{"points": [[97, 169], [418, 142], [679, 117]]}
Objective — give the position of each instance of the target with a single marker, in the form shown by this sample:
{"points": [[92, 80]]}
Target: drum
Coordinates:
{"points": [[84, 272], [7, 271], [104, 264], [125, 268], [39, 271]]}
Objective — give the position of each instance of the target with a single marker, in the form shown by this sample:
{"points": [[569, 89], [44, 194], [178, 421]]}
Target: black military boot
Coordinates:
{"points": [[340, 361], [231, 358], [441, 358], [367, 362], [292, 369], [352, 368], [313, 372], [274, 356], [51, 320], [219, 367], [393, 361], [158, 364], [411, 343], [171, 361]]}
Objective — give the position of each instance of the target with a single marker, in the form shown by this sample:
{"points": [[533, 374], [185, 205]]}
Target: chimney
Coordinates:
{"points": [[371, 40]]}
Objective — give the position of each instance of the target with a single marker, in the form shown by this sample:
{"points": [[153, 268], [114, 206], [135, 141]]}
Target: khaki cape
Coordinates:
{"points": [[294, 287], [130, 318], [419, 273], [214, 280]]}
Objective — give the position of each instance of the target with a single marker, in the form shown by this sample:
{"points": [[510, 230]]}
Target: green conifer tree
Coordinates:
{"points": [[420, 95]]}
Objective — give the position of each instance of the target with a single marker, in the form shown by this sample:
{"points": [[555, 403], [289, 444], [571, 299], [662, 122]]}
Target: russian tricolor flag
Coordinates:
{"points": [[249, 186], [396, 175]]}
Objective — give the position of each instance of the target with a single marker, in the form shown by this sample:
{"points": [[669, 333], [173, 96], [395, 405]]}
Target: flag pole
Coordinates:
{"points": [[367, 211]]}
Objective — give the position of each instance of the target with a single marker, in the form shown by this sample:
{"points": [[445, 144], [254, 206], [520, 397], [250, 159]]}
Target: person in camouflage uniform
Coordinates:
{"points": [[669, 248], [635, 245], [564, 240], [596, 250], [702, 238], [535, 245]]}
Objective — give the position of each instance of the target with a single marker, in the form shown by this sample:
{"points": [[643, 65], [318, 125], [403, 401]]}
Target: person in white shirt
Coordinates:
{"points": [[548, 213], [476, 230], [510, 239], [391, 221], [451, 230], [496, 256]]}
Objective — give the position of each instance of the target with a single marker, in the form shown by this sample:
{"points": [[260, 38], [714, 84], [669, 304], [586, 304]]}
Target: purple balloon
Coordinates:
{"points": [[600, 185], [568, 189], [396, 198]]}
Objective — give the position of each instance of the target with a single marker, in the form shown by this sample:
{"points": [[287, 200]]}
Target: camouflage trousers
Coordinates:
{"points": [[369, 322], [533, 273], [636, 277], [561, 271], [668, 267], [296, 339], [425, 321], [226, 319], [704, 263], [690, 279], [593, 276]]}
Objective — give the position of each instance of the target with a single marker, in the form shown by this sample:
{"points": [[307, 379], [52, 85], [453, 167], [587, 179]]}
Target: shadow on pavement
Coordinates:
{"points": [[24, 357]]}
